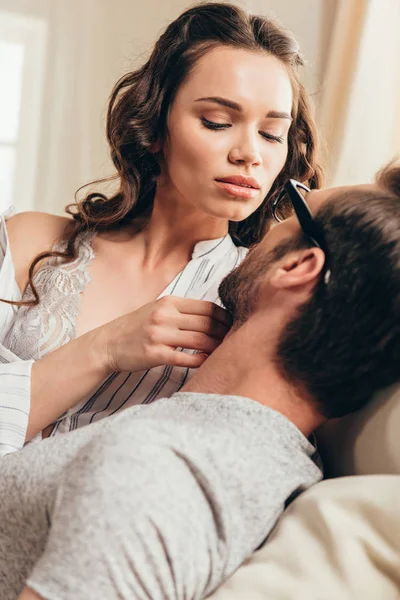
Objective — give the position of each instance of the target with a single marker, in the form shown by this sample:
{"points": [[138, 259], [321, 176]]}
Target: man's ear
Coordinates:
{"points": [[298, 268]]}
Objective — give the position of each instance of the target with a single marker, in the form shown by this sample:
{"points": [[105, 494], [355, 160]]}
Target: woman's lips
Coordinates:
{"points": [[239, 191]]}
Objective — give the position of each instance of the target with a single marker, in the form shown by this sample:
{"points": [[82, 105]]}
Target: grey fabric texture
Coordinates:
{"points": [[158, 502]]}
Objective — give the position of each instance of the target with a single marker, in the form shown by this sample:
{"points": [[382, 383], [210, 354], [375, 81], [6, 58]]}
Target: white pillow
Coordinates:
{"points": [[337, 541], [366, 442]]}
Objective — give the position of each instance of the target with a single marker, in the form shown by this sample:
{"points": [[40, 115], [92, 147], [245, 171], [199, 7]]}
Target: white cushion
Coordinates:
{"points": [[338, 540], [366, 442]]}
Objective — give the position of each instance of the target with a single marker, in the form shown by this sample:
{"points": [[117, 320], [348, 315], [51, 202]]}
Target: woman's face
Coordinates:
{"points": [[227, 133]]}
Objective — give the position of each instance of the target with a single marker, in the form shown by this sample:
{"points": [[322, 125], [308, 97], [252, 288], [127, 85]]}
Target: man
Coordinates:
{"points": [[166, 501]]}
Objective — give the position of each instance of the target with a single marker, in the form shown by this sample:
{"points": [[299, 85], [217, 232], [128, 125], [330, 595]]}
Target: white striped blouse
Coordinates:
{"points": [[29, 333]]}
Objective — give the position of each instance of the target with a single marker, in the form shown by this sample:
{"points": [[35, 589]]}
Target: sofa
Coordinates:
{"points": [[339, 540]]}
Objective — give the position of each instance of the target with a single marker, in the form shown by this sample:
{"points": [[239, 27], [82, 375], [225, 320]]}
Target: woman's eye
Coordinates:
{"points": [[272, 138], [213, 124]]}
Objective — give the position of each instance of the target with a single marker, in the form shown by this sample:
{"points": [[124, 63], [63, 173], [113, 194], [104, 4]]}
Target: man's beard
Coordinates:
{"points": [[238, 290]]}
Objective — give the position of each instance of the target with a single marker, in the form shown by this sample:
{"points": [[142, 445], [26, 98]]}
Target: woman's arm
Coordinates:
{"points": [[33, 394], [24, 236], [62, 378], [139, 340]]}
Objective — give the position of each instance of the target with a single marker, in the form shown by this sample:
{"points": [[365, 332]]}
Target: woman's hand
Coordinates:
{"points": [[150, 336]]}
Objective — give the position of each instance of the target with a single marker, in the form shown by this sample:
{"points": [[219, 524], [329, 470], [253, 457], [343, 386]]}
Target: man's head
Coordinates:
{"points": [[337, 317]]}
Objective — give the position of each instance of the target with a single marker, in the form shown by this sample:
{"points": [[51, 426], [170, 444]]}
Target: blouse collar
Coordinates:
{"points": [[213, 248]]}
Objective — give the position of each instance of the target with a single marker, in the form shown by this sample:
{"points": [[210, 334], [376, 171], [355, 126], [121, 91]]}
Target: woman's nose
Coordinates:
{"points": [[246, 154]]}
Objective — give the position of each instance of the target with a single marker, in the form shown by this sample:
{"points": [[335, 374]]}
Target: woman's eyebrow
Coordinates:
{"points": [[272, 114]]}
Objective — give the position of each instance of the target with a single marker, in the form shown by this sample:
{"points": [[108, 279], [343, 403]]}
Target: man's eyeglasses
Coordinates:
{"points": [[296, 191]]}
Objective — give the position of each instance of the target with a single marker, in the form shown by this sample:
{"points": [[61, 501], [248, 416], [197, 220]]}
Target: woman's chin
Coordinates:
{"points": [[229, 213]]}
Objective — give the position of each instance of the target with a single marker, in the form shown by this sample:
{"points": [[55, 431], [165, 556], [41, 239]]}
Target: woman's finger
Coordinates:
{"points": [[176, 358], [203, 308], [207, 325], [192, 340]]}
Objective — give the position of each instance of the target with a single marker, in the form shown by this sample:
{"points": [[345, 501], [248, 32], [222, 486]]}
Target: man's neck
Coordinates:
{"points": [[243, 366]]}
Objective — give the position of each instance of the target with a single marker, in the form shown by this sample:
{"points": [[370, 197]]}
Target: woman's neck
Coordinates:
{"points": [[173, 229]]}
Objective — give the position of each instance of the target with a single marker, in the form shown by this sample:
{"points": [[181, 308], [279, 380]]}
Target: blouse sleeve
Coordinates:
{"points": [[15, 374]]}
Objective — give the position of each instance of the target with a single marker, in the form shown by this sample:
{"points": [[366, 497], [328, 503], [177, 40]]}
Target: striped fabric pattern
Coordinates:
{"points": [[14, 403]]}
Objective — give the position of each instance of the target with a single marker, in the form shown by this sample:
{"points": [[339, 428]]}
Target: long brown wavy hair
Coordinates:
{"points": [[137, 118]]}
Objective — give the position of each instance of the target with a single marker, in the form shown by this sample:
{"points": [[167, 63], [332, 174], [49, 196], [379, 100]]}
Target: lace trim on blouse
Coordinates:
{"points": [[41, 329]]}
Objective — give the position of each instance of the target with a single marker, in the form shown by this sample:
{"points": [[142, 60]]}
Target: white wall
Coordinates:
{"points": [[311, 22]]}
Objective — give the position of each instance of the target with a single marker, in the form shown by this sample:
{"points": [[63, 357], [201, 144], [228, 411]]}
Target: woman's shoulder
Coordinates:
{"points": [[46, 225], [29, 234]]}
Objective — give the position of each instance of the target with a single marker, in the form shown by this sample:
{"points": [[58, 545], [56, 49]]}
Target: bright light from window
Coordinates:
{"points": [[11, 77], [7, 166], [22, 56], [11, 73]]}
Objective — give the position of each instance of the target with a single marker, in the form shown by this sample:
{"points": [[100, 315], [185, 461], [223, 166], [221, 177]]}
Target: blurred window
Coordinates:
{"points": [[22, 46]]}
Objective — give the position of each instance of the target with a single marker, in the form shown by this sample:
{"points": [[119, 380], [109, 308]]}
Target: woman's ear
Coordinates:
{"points": [[298, 268], [156, 147]]}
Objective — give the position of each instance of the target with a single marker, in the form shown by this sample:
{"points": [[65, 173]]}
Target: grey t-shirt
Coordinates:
{"points": [[159, 502]]}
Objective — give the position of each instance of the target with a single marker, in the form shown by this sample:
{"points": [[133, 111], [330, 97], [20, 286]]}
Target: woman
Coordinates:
{"points": [[203, 137]]}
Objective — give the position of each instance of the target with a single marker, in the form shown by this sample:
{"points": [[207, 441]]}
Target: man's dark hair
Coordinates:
{"points": [[343, 345]]}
